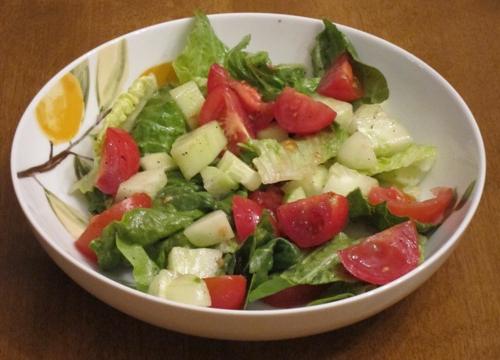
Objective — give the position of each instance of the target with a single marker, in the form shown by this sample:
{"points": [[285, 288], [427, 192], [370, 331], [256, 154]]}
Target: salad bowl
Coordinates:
{"points": [[43, 174]]}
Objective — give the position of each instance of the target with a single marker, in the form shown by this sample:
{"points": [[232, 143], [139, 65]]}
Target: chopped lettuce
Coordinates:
{"points": [[96, 200], [292, 159], [330, 43], [203, 48], [321, 266], [342, 290], [420, 156], [144, 269], [159, 124], [257, 70], [142, 227]]}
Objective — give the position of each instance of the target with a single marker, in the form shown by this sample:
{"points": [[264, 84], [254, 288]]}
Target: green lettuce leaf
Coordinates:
{"points": [[144, 269], [203, 48], [96, 200], [342, 290], [159, 251], [321, 266], [159, 123], [420, 157], [293, 159], [142, 227], [331, 43], [257, 70], [378, 215]]}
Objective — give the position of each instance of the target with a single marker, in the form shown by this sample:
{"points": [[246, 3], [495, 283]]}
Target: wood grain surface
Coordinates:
{"points": [[455, 315]]}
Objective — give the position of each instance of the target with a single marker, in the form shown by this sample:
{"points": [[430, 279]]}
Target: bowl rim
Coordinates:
{"points": [[98, 276]]}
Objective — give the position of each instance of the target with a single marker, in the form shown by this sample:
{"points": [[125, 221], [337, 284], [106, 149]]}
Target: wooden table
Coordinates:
{"points": [[455, 315]]}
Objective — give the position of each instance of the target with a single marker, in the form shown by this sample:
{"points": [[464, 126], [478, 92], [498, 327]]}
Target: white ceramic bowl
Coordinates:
{"points": [[427, 105]]}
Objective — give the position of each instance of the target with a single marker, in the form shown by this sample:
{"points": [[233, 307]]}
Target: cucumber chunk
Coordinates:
{"points": [[149, 182], [343, 180], [239, 171], [217, 182], [343, 109], [357, 152], [186, 289], [194, 151], [190, 100], [159, 160], [273, 132], [209, 230], [387, 135], [199, 262]]}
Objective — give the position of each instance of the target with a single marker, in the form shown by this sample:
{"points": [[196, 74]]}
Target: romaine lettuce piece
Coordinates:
{"points": [[159, 124], [257, 70], [413, 155], [292, 159], [203, 48]]}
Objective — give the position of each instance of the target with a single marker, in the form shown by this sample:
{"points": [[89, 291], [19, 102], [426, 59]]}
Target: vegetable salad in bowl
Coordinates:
{"points": [[234, 180]]}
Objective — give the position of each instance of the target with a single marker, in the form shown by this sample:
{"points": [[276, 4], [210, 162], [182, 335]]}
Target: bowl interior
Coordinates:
{"points": [[425, 103]]}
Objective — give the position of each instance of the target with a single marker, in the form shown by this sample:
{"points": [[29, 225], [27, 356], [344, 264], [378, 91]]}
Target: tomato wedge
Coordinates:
{"points": [[314, 220], [431, 211], [120, 160], [100, 221], [217, 76], [300, 114], [246, 214], [385, 256], [270, 198], [294, 296], [339, 82], [227, 292], [222, 104]]}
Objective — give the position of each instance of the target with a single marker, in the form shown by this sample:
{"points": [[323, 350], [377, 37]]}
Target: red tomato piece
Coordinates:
{"points": [[314, 220], [222, 104], [385, 256], [299, 114], [264, 117], [227, 292], [380, 194], [339, 82], [429, 211], [217, 76], [249, 96], [246, 214], [120, 160], [294, 296], [270, 198], [100, 221]]}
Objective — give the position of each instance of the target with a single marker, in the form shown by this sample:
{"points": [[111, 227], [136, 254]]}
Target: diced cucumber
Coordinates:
{"points": [[357, 152], [186, 289], [209, 230], [296, 193], [160, 160], [194, 151], [190, 100], [199, 262], [313, 184], [149, 182], [239, 171], [343, 109], [343, 180], [217, 182], [273, 131], [387, 135]]}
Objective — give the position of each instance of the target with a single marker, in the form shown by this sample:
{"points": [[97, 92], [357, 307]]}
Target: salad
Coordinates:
{"points": [[241, 181]]}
